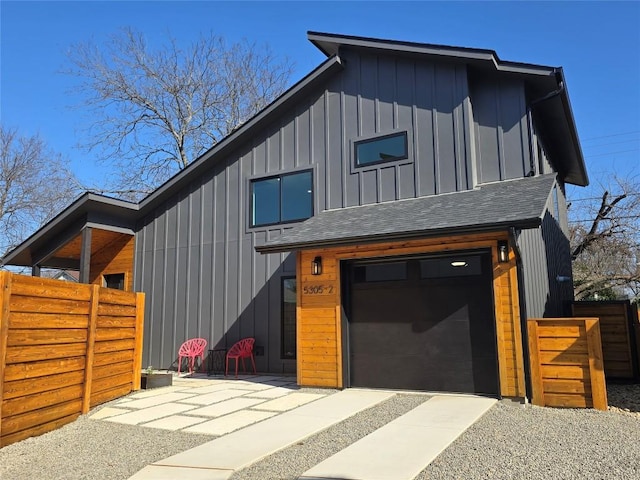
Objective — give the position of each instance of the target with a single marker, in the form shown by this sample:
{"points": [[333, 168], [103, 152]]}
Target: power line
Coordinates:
{"points": [[609, 136], [612, 143], [571, 200], [611, 153], [623, 217]]}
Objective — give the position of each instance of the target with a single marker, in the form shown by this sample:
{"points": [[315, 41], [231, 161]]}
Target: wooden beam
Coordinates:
{"points": [[137, 351], [5, 297], [91, 340], [596, 365], [534, 351], [85, 255]]}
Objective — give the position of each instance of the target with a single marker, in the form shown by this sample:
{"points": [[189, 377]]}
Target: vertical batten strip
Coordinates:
{"points": [[534, 352], [596, 365], [516, 322], [91, 338], [498, 287], [299, 354], [5, 298], [137, 350], [339, 345]]}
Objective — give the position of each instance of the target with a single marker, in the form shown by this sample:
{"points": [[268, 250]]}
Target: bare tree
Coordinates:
{"points": [[153, 111], [35, 184], [605, 241]]}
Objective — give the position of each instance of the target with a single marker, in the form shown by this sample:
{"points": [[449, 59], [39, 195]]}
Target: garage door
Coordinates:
{"points": [[423, 324]]}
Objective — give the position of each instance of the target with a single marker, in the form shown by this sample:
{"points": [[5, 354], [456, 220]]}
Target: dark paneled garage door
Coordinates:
{"points": [[423, 324]]}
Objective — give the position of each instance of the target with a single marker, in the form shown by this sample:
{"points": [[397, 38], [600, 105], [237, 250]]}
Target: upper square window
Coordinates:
{"points": [[388, 148], [282, 199]]}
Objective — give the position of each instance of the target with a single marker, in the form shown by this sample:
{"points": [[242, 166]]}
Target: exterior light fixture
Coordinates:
{"points": [[459, 263], [316, 266], [503, 251]]}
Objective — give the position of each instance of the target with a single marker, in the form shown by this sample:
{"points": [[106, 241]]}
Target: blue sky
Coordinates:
{"points": [[597, 44]]}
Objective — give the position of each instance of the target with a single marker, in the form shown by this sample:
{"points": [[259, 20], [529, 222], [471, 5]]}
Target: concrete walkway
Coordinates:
{"points": [[404, 447], [256, 416]]}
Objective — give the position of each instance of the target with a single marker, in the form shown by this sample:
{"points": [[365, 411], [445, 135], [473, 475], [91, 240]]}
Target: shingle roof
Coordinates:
{"points": [[492, 206]]}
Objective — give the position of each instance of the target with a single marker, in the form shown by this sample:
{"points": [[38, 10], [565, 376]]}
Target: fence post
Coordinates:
{"points": [[91, 340], [137, 349], [5, 297], [537, 386], [596, 365]]}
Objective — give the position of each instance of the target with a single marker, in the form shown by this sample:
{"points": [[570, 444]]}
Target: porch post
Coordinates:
{"points": [[85, 255], [35, 271]]}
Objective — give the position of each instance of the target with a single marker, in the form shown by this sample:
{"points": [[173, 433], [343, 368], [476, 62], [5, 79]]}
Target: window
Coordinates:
{"points": [[454, 266], [282, 199], [381, 149], [288, 318], [381, 272], [114, 280]]}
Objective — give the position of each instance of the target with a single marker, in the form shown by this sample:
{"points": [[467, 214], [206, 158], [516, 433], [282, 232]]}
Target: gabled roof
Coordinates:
{"points": [[553, 115], [494, 206]]}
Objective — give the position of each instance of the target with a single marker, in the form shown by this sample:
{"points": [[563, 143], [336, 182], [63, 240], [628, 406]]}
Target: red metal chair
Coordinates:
{"points": [[191, 349], [241, 350]]}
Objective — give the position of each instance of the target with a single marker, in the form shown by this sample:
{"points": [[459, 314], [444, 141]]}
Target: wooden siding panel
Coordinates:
{"points": [[319, 314], [567, 368], [47, 368], [115, 257], [620, 349]]}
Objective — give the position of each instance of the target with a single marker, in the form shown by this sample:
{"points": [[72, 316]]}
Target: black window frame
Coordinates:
{"points": [[283, 355], [108, 278], [280, 176], [357, 143]]}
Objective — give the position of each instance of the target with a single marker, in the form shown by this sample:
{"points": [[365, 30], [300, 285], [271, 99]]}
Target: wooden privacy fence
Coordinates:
{"points": [[620, 334], [566, 363], [64, 348]]}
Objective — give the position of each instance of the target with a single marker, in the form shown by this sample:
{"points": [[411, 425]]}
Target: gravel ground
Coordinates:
{"points": [[91, 449], [507, 442]]}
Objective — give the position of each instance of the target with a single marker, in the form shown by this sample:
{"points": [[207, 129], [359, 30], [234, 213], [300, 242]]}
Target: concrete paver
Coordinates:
{"points": [[271, 393], [214, 397], [152, 392], [108, 412], [215, 387], [230, 423], [175, 422], [155, 472], [148, 414], [225, 407], [401, 449], [290, 401], [158, 400]]}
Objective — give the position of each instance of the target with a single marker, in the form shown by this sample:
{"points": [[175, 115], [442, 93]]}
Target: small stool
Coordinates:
{"points": [[216, 361]]}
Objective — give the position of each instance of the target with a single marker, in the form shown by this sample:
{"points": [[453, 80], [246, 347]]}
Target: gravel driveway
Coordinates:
{"points": [[506, 443]]}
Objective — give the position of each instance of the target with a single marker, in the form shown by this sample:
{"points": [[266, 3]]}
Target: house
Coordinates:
{"points": [[391, 220]]}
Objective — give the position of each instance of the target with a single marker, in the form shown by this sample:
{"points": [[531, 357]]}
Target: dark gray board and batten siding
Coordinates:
{"points": [[546, 255], [195, 256]]}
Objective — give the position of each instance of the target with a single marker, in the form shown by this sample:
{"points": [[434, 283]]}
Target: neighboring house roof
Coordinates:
{"points": [[67, 275], [514, 203]]}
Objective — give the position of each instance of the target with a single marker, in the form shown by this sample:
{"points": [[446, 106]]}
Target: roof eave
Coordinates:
{"points": [[78, 207], [533, 222], [329, 44]]}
